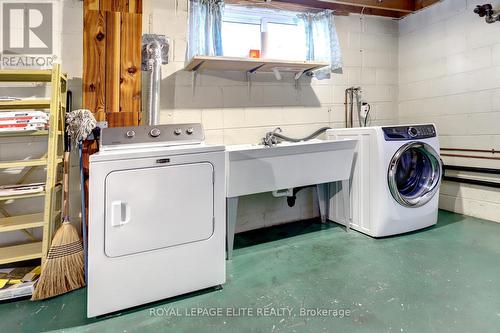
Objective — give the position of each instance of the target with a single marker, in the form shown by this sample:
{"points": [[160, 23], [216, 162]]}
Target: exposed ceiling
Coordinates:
{"points": [[390, 8]]}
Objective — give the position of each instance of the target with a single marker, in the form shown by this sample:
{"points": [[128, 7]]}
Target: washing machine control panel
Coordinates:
{"points": [[414, 132], [157, 135]]}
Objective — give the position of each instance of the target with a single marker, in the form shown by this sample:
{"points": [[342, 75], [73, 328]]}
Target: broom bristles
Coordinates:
{"points": [[63, 270]]}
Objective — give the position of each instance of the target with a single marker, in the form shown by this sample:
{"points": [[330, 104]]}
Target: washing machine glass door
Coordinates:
{"points": [[414, 174], [154, 208]]}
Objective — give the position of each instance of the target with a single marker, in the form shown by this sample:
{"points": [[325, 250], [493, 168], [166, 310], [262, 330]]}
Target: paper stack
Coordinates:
{"points": [[18, 281], [14, 121], [11, 190]]}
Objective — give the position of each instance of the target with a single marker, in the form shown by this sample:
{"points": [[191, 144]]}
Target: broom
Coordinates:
{"points": [[63, 270]]}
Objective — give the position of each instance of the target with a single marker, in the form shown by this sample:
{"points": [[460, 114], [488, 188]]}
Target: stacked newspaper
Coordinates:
{"points": [[10, 190], [18, 282], [16, 121]]}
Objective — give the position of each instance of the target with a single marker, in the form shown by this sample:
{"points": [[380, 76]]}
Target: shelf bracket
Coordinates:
{"points": [[249, 82], [253, 70], [196, 69], [299, 75], [277, 74], [194, 75], [249, 78]]}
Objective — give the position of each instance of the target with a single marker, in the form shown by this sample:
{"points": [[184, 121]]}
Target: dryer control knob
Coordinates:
{"points": [[155, 132], [190, 130], [130, 134], [413, 132], [178, 131]]}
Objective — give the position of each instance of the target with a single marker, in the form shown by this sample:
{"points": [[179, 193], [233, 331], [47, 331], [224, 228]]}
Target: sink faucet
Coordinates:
{"points": [[270, 139]]}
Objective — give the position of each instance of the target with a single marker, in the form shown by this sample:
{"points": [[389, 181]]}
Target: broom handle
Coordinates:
{"points": [[67, 149], [66, 187]]}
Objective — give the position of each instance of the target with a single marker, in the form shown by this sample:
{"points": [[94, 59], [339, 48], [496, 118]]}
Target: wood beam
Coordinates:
{"points": [[405, 6], [420, 4], [343, 8]]}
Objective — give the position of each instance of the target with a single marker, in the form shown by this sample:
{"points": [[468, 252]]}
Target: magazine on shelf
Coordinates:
{"points": [[8, 190], [23, 127], [18, 282], [17, 114]]}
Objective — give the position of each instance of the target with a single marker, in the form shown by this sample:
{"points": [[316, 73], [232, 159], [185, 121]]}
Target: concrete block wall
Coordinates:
{"points": [[440, 65], [449, 74], [233, 113]]}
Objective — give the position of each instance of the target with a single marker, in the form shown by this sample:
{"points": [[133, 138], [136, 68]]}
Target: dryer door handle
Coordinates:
{"points": [[120, 213]]}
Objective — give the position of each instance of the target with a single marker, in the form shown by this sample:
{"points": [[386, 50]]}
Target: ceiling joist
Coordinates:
{"points": [[389, 8], [405, 6]]}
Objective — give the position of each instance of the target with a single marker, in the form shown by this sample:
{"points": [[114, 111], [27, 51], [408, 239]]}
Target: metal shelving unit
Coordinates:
{"points": [[53, 157]]}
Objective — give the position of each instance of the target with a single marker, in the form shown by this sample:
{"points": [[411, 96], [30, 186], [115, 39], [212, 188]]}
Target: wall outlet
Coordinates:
{"points": [[365, 109]]}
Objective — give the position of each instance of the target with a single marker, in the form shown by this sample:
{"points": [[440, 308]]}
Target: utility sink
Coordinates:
{"points": [[257, 168]]}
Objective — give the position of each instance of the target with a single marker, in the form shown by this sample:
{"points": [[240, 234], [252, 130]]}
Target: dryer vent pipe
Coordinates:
{"points": [[154, 54]]}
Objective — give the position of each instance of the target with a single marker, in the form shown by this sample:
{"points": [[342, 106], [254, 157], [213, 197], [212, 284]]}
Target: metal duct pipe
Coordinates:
{"points": [[154, 53], [154, 68]]}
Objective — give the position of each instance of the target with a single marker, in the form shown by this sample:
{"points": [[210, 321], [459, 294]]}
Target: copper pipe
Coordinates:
{"points": [[351, 111], [492, 150], [346, 112], [472, 156]]}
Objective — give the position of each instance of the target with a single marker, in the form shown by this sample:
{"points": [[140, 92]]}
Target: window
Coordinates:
{"points": [[276, 34], [233, 45]]}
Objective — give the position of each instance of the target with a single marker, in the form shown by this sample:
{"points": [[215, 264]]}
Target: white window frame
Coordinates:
{"points": [[258, 16]]}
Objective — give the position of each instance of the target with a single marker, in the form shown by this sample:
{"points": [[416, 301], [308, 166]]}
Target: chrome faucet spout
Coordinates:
{"points": [[270, 139]]}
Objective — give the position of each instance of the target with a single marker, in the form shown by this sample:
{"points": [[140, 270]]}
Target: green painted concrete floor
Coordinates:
{"points": [[442, 279]]}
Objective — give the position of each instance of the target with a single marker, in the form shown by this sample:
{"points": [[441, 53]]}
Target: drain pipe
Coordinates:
{"points": [[154, 54]]}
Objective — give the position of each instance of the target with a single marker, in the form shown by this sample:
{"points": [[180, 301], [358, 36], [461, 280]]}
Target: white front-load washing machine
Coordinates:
{"points": [[395, 179], [156, 216]]}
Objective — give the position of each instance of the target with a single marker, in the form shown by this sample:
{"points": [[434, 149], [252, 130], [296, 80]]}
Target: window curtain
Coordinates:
{"points": [[322, 42], [205, 25]]}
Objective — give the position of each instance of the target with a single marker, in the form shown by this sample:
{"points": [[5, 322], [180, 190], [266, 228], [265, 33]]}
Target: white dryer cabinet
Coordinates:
{"points": [[156, 224]]}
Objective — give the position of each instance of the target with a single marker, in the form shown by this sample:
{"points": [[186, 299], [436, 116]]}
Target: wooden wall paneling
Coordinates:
{"points": [[123, 119], [123, 6], [135, 6], [130, 60], [114, 5], [91, 5], [94, 34], [112, 61]]}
